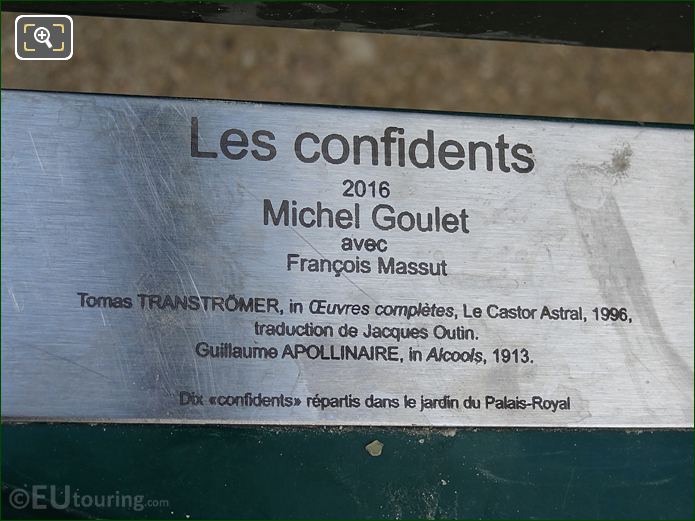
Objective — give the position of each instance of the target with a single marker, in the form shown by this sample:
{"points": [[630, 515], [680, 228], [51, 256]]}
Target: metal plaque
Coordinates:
{"points": [[169, 260]]}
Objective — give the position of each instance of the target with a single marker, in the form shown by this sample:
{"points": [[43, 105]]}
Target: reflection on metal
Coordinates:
{"points": [[174, 260]]}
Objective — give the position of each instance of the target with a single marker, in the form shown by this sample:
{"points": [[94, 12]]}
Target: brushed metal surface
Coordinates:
{"points": [[101, 196]]}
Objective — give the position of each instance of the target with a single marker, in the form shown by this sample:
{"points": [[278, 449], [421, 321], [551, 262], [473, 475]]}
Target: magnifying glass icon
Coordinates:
{"points": [[43, 35]]}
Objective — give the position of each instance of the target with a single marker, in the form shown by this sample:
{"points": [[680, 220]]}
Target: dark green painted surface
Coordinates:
{"points": [[206, 471], [657, 26]]}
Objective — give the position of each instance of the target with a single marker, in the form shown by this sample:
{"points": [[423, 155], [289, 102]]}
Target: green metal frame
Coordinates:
{"points": [[267, 472]]}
